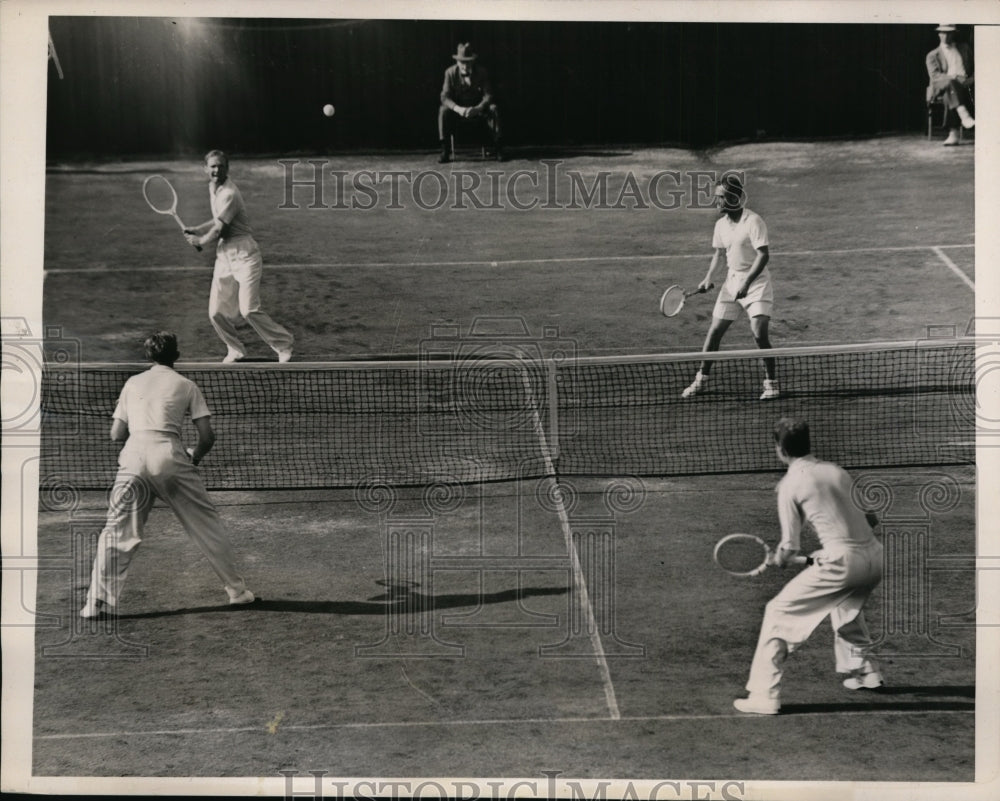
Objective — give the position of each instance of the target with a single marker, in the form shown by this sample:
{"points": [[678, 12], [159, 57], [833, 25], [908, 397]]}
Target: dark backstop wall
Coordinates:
{"points": [[159, 86]]}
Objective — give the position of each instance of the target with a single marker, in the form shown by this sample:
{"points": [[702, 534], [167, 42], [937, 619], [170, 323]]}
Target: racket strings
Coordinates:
{"points": [[740, 555], [160, 194], [672, 301]]}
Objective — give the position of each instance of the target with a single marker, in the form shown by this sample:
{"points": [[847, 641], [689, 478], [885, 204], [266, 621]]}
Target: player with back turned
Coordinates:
{"points": [[151, 410], [842, 576]]}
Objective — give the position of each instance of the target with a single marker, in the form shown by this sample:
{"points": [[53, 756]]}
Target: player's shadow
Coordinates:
{"points": [[398, 599], [923, 698]]}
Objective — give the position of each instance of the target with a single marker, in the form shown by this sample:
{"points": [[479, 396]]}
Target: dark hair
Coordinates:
{"points": [[161, 347], [732, 184], [792, 436], [218, 153]]}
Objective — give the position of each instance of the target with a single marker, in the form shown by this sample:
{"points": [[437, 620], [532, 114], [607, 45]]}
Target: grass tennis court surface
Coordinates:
{"points": [[852, 238], [485, 581], [501, 676]]}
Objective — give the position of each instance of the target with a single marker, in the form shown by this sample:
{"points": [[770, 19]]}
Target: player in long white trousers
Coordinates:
{"points": [[154, 464], [235, 289], [844, 574]]}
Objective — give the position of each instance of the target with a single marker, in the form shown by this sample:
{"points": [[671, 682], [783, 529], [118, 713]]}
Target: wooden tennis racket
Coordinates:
{"points": [[162, 198], [673, 297], [748, 555]]}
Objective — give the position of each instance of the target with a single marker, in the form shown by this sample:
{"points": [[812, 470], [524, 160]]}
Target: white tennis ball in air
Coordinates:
{"points": [[329, 110]]}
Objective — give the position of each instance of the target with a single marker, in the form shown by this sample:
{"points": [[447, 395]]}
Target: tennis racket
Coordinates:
{"points": [[162, 198], [672, 300], [748, 555]]}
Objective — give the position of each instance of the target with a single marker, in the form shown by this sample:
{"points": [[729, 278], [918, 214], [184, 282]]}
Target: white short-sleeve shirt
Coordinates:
{"points": [[741, 239], [820, 492], [227, 206], [158, 400]]}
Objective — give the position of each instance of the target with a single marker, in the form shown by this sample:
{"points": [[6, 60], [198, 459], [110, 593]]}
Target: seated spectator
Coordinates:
{"points": [[467, 95], [951, 70]]}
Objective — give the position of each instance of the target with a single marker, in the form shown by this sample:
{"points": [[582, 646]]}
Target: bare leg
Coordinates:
{"points": [[713, 340], [759, 327]]}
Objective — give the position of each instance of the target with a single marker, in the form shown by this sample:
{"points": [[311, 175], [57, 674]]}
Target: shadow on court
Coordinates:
{"points": [[880, 706], [401, 600]]}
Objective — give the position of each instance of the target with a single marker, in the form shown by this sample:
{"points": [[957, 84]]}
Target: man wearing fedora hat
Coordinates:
{"points": [[467, 94], [951, 70]]}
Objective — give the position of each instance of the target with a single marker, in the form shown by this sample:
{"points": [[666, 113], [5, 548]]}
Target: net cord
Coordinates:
{"points": [[446, 364]]}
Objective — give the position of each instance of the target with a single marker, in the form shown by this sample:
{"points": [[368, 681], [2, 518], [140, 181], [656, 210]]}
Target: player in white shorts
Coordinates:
{"points": [[153, 464], [843, 575], [742, 236], [235, 289]]}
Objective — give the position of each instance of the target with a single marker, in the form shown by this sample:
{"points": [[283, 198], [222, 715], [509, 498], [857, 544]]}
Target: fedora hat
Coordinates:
{"points": [[942, 28], [466, 52]]}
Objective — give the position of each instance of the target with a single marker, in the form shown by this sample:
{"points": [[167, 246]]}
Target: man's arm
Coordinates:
{"points": [[487, 92], [759, 263], [790, 518], [119, 430], [937, 73], [716, 258], [446, 90], [199, 229], [216, 230], [206, 438]]}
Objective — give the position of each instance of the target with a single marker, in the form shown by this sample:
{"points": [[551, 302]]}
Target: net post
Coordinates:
{"points": [[552, 391]]}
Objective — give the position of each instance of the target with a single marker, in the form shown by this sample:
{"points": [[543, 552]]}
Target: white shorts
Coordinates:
{"points": [[758, 301]]}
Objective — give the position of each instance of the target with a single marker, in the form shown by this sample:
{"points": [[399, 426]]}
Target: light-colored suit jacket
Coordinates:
{"points": [[937, 68]]}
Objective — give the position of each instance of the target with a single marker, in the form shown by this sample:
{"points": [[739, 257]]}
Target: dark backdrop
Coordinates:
{"points": [[153, 86]]}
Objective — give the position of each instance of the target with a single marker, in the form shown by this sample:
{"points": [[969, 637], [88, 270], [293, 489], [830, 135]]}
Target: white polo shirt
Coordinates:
{"points": [[820, 492], [227, 206], [158, 400], [740, 239]]}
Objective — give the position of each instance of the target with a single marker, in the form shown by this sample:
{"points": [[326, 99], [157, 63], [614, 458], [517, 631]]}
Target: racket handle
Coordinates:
{"points": [[801, 560]]}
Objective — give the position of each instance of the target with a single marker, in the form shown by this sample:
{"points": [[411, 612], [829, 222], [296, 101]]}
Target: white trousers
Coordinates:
{"points": [[235, 293], [155, 465], [838, 586]]}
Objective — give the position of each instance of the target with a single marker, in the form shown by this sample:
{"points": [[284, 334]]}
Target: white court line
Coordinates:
{"points": [[578, 580], [498, 263], [402, 724], [953, 267]]}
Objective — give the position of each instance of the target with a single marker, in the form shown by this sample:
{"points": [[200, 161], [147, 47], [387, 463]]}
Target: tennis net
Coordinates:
{"points": [[352, 424]]}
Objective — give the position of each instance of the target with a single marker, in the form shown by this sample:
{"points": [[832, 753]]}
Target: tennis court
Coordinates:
{"points": [[508, 614]]}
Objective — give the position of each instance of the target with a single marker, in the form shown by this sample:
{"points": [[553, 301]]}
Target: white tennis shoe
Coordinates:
{"points": [[864, 681], [236, 598], [697, 386], [771, 389], [285, 355], [233, 356], [758, 706], [96, 608]]}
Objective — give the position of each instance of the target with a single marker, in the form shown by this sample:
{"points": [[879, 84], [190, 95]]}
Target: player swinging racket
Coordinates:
{"points": [[238, 266], [843, 575], [742, 235]]}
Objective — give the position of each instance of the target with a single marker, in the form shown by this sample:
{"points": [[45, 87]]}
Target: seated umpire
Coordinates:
{"points": [[951, 71], [467, 100]]}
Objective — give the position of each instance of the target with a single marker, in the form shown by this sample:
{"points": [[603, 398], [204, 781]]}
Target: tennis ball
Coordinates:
{"points": [[328, 110]]}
